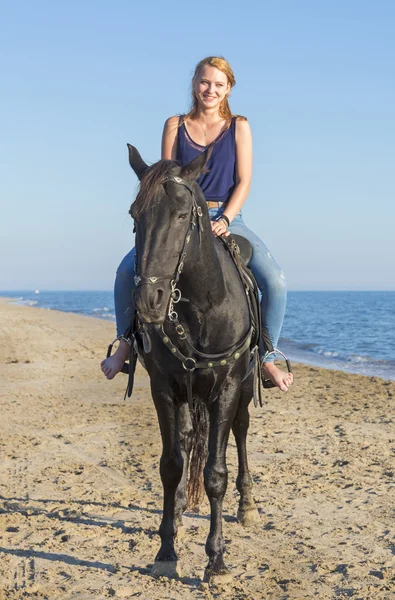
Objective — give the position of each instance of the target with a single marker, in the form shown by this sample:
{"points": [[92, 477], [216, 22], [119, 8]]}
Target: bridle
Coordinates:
{"points": [[195, 219]]}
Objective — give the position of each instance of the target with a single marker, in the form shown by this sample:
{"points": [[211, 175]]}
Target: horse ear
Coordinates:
{"points": [[192, 170], [136, 162]]}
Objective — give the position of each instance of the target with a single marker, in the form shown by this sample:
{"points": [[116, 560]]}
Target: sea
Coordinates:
{"points": [[347, 331]]}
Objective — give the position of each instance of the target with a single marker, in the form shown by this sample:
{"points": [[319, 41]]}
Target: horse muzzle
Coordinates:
{"points": [[151, 302]]}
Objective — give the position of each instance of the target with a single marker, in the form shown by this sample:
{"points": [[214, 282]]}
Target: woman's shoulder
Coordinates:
{"points": [[242, 129], [241, 124], [239, 118], [174, 121]]}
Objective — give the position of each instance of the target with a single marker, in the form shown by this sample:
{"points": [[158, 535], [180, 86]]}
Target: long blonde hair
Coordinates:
{"points": [[221, 64]]}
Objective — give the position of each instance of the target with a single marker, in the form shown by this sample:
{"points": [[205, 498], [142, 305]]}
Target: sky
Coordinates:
{"points": [[315, 78]]}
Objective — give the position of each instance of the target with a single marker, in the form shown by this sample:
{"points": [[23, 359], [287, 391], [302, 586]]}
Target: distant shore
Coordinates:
{"points": [[81, 497]]}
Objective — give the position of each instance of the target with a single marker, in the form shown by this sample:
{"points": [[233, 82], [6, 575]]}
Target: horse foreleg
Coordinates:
{"points": [[171, 467], [186, 432], [247, 512], [215, 481]]}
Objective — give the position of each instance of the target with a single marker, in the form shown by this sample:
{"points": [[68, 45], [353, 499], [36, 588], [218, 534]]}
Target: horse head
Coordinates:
{"points": [[167, 210]]}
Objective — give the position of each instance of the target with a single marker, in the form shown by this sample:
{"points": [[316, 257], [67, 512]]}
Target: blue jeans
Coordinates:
{"points": [[269, 277]]}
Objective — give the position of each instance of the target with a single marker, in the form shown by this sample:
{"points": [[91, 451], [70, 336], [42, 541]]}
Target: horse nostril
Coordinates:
{"points": [[156, 299], [159, 297]]}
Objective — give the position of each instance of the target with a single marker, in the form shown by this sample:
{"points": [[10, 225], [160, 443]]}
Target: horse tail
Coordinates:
{"points": [[198, 455]]}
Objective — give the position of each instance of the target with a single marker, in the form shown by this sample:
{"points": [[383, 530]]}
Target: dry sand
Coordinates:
{"points": [[80, 496]]}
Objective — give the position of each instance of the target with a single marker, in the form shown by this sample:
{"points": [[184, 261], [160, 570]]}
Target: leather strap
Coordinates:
{"points": [[210, 361]]}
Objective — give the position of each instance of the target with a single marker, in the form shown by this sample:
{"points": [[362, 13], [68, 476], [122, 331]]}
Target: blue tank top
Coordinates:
{"points": [[218, 184]]}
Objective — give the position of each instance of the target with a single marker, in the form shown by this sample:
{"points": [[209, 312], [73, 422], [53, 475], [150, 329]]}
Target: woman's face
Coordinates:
{"points": [[211, 86]]}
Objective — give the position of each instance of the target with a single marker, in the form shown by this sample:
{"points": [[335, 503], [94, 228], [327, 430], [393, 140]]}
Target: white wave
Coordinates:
{"points": [[350, 358], [341, 356], [328, 353], [26, 302], [359, 359]]}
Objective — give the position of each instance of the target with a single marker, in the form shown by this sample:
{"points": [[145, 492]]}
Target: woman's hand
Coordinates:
{"points": [[220, 227]]}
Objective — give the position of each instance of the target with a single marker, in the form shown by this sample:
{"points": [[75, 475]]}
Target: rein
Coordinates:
{"points": [[198, 360]]}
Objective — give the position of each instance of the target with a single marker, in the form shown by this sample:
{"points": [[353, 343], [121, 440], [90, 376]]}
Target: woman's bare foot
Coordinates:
{"points": [[282, 379], [112, 365]]}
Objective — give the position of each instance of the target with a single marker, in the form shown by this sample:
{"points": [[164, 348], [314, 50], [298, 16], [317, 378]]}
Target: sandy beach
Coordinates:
{"points": [[80, 496]]}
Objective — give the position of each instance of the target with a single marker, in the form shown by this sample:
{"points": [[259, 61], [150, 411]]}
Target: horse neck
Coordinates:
{"points": [[214, 313], [203, 277]]}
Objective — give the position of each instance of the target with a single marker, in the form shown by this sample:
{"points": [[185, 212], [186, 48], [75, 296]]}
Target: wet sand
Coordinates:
{"points": [[80, 495]]}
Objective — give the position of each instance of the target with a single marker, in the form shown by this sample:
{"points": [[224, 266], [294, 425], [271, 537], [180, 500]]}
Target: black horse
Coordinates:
{"points": [[195, 336]]}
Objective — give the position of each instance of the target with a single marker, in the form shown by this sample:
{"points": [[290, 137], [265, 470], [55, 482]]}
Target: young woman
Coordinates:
{"points": [[225, 187]]}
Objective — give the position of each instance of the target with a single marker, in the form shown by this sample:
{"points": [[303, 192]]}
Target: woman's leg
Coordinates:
{"points": [[272, 285], [124, 311], [124, 287], [270, 280]]}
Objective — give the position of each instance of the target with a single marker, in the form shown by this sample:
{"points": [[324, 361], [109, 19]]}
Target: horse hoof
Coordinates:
{"points": [[221, 578], [166, 568], [248, 517]]}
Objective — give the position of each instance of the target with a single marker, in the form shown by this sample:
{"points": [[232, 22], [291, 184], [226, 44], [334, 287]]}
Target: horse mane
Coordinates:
{"points": [[149, 185]]}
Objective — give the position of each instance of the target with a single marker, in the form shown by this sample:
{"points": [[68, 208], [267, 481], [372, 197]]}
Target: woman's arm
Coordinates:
{"points": [[169, 139], [243, 169]]}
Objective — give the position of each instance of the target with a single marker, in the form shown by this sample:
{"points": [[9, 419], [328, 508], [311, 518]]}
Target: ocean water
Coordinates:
{"points": [[92, 304], [349, 331]]}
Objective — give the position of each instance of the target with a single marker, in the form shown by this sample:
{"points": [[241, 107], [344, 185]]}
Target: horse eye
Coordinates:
{"points": [[182, 216]]}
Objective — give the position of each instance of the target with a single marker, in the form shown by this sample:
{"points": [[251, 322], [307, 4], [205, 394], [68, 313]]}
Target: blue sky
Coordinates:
{"points": [[80, 79]]}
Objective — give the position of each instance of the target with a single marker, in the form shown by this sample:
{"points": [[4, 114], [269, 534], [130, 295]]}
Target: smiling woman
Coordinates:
{"points": [[225, 184]]}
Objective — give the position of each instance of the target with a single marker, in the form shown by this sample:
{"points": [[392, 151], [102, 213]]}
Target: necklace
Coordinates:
{"points": [[206, 131]]}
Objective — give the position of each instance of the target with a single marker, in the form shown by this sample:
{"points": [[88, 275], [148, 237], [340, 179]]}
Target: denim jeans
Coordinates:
{"points": [[269, 277]]}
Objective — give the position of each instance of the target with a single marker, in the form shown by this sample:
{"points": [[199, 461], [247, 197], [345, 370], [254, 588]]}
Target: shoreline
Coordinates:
{"points": [[369, 368], [81, 496]]}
